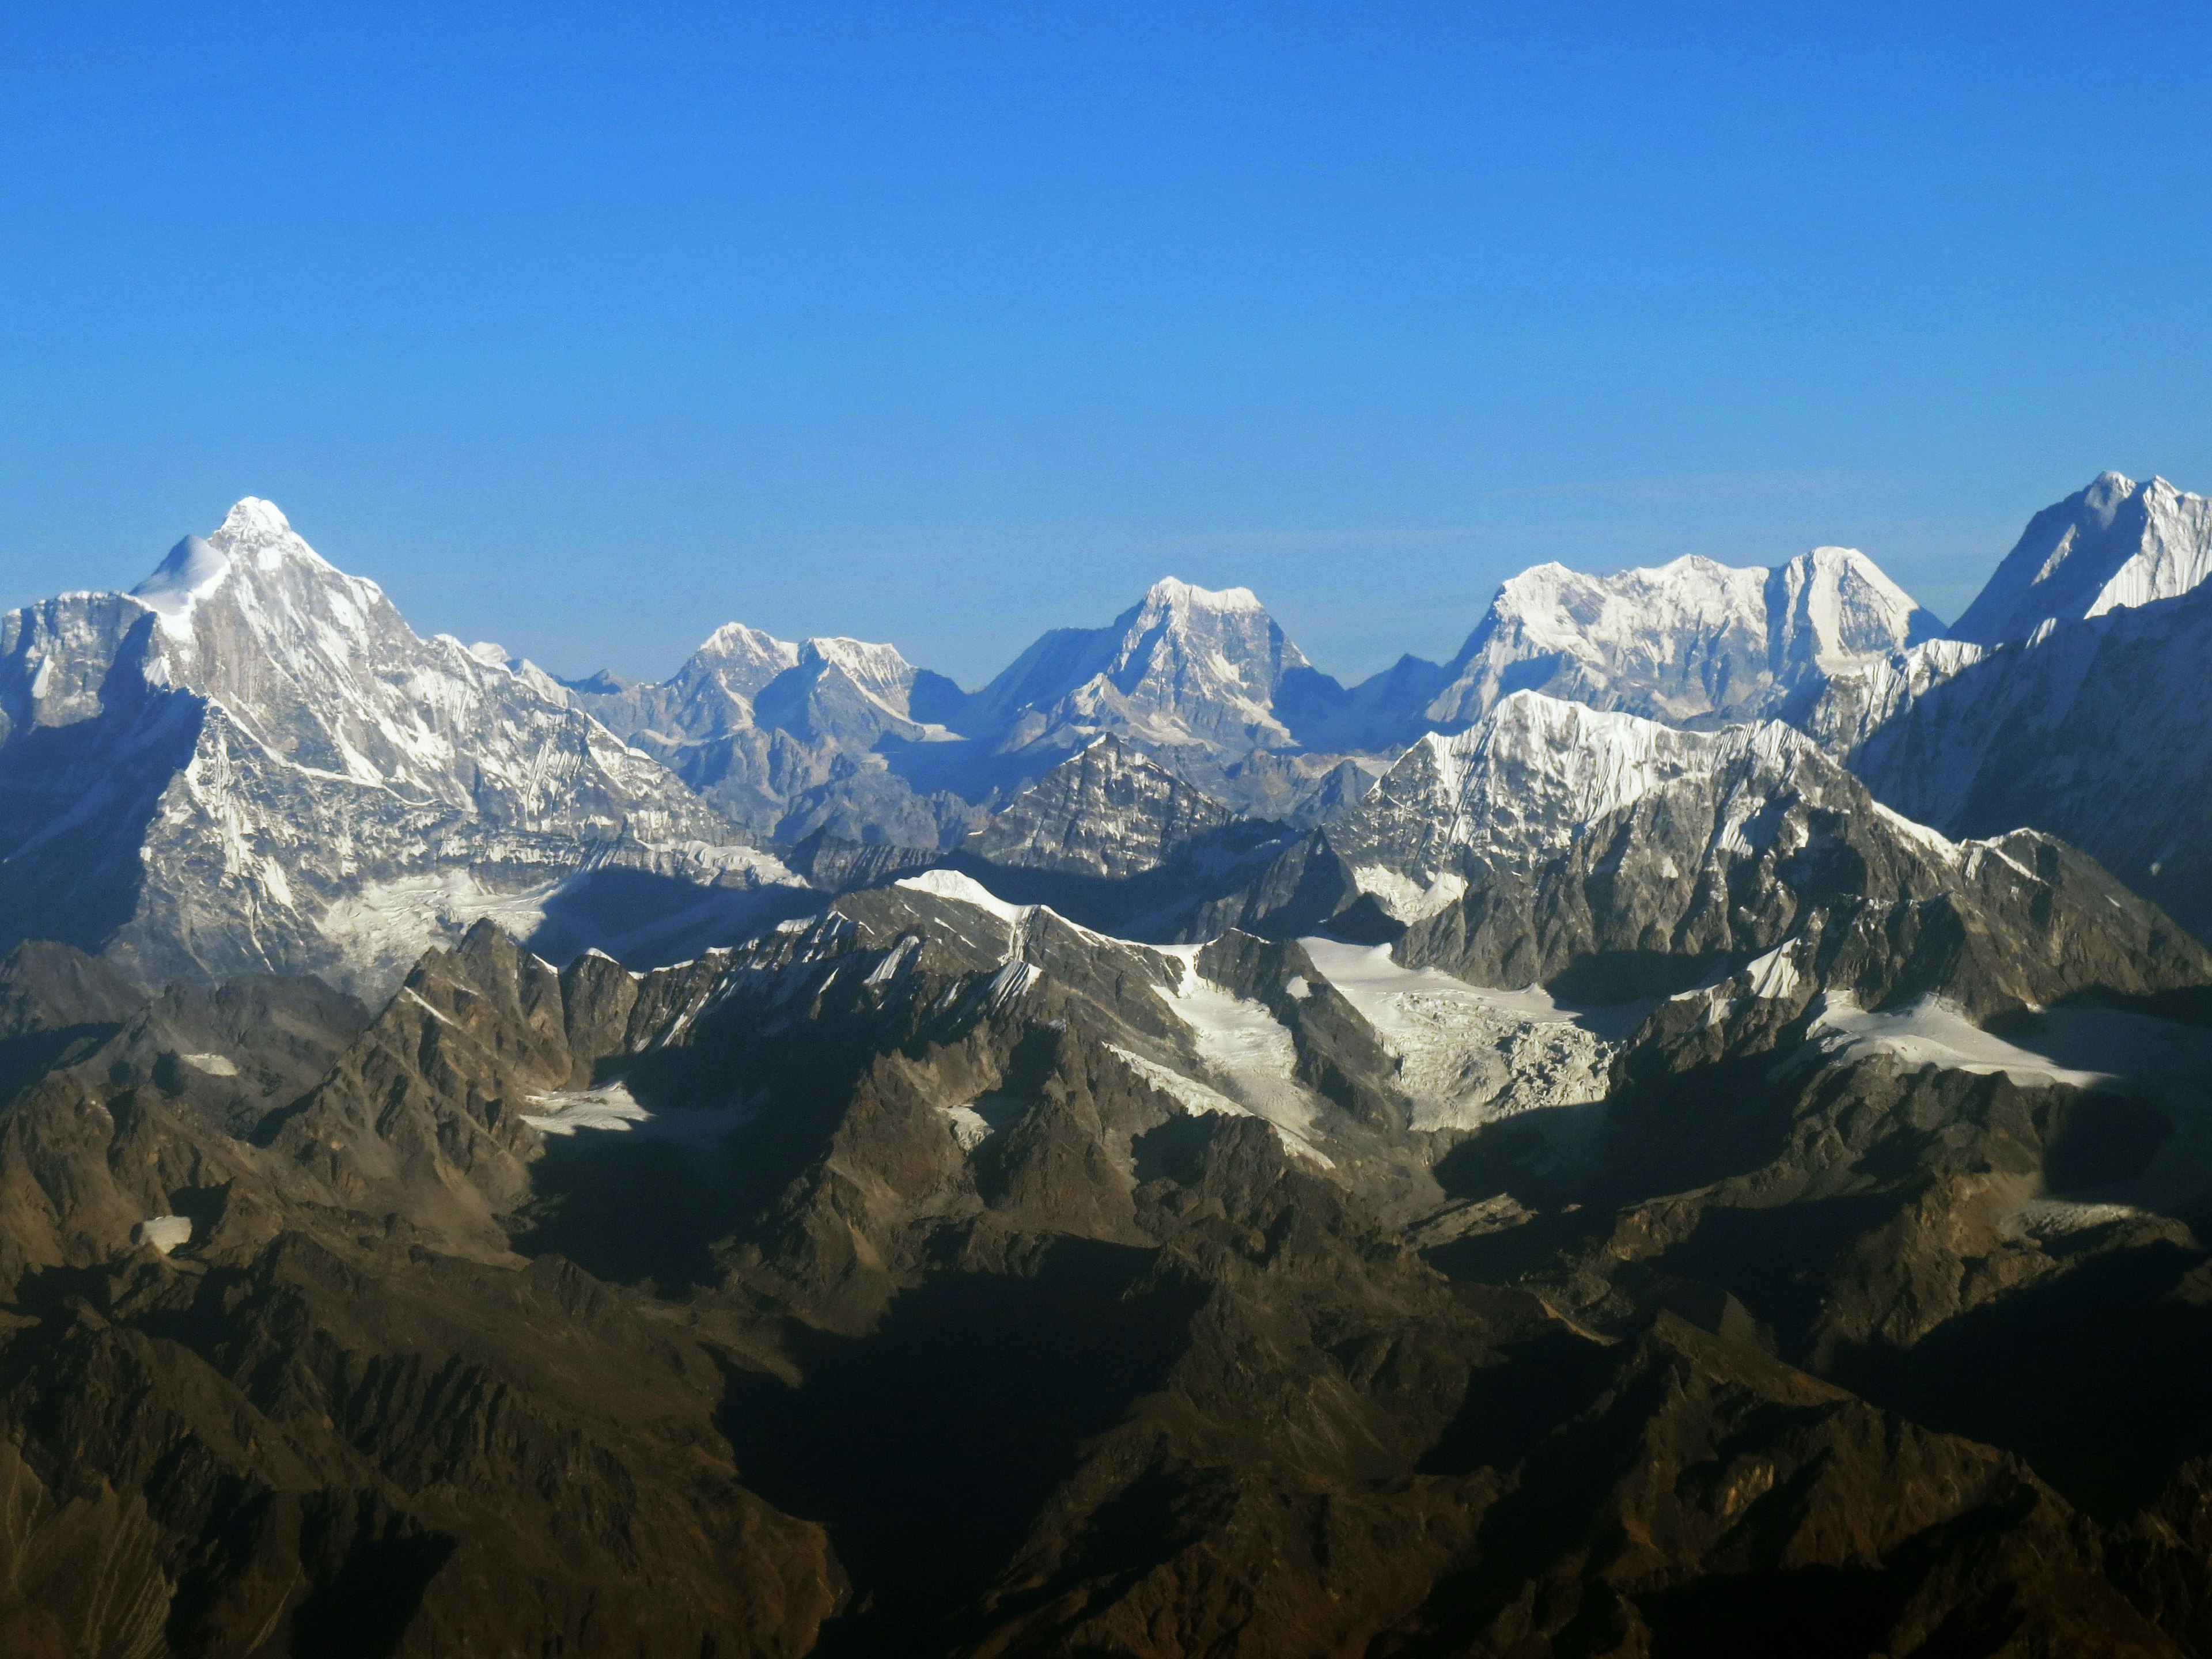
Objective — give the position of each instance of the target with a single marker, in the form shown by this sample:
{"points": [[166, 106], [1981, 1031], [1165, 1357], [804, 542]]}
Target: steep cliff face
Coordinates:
{"points": [[2094, 730], [1563, 845], [1107, 812], [1614, 1186], [2116, 545]]}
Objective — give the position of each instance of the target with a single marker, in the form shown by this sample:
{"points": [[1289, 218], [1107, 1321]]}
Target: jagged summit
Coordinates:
{"points": [[1171, 592], [1105, 810], [2116, 544], [1691, 641]]}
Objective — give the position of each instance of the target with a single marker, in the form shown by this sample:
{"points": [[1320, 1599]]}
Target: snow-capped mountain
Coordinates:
{"points": [[1693, 642], [2097, 731], [786, 739], [1607, 856], [2069, 697], [1184, 668], [2115, 544], [711, 693], [251, 762]]}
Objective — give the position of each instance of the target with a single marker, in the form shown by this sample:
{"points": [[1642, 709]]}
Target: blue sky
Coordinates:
{"points": [[587, 328]]}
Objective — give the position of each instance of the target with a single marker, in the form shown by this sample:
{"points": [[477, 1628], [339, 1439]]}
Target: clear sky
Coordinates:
{"points": [[588, 327]]}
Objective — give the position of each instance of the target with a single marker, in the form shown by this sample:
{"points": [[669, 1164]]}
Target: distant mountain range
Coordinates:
{"points": [[161, 748], [1682, 1130]]}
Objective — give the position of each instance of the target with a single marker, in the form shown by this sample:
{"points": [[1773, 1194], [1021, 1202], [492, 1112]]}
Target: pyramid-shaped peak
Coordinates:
{"points": [[252, 517], [260, 527]]}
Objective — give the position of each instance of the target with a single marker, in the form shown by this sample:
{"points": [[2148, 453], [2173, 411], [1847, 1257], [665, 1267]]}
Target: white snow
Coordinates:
{"points": [[213, 1064], [1404, 899], [974, 1121], [193, 570], [1647, 637], [1774, 977], [2083, 1047], [611, 1110], [164, 1233], [965, 890], [394, 922], [1246, 1043], [1468, 1055], [2117, 544], [969, 1128], [1196, 1097]]}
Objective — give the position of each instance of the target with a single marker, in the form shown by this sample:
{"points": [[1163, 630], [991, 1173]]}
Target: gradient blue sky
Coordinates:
{"points": [[587, 328]]}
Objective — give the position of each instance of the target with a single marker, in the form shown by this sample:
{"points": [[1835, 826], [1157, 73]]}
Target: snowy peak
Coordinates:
{"points": [[742, 658], [193, 570], [1690, 641], [2116, 544], [1834, 608], [284, 775], [252, 521], [1171, 594], [879, 671], [1185, 666]]}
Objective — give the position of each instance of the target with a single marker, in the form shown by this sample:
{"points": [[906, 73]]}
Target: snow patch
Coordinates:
{"points": [[1404, 899], [1196, 1097], [194, 569], [612, 1110], [1469, 1056], [963, 889], [164, 1233]]}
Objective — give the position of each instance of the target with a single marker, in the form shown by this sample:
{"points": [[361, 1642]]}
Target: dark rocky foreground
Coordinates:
{"points": [[951, 1293]]}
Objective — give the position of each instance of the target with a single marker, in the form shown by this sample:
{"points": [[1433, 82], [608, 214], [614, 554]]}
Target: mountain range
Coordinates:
{"points": [[1681, 1130]]}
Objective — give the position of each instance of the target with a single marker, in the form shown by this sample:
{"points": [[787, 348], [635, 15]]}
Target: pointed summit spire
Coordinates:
{"points": [[251, 516]]}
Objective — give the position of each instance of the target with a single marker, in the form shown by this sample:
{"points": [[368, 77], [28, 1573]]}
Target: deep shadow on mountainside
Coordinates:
{"points": [[967, 1282]]}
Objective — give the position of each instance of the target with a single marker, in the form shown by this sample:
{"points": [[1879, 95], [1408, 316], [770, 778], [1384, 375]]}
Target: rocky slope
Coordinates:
{"points": [[787, 739], [1107, 812], [2068, 697], [1612, 1189], [1612, 857], [2095, 730], [939, 1277]]}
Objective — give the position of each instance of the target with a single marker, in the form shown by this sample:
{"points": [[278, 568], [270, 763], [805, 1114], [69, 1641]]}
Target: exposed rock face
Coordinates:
{"points": [[1558, 845], [254, 764], [2116, 544], [948, 1278], [1107, 812], [2096, 731]]}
